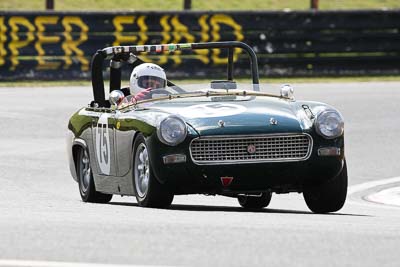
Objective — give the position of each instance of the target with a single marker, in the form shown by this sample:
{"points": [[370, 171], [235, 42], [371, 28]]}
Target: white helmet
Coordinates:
{"points": [[145, 76]]}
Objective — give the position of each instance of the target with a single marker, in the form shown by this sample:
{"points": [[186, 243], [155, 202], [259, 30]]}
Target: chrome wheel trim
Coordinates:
{"points": [[86, 171], [142, 170]]}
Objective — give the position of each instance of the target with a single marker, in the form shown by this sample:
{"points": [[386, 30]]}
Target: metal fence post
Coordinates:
{"points": [[187, 4], [314, 4], [49, 4]]}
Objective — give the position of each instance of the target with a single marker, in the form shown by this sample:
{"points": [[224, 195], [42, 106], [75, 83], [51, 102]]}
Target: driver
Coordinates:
{"points": [[146, 77]]}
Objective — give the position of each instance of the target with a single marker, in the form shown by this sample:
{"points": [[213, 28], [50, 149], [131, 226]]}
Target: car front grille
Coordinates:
{"points": [[251, 149]]}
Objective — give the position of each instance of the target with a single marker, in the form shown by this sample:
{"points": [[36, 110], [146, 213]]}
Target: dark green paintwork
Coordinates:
{"points": [[78, 123], [254, 118]]}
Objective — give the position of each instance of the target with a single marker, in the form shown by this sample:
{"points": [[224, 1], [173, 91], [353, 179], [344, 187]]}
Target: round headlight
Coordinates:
{"points": [[329, 124], [172, 130]]}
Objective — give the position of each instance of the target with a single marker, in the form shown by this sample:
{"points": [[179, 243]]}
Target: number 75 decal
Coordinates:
{"points": [[103, 144]]}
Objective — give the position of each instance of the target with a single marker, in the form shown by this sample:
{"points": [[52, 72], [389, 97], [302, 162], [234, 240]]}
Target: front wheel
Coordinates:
{"points": [[255, 202], [329, 196], [149, 191], [87, 189]]}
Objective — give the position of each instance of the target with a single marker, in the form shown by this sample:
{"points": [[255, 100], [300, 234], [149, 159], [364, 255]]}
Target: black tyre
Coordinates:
{"points": [[149, 191], [255, 202], [328, 197], [87, 189]]}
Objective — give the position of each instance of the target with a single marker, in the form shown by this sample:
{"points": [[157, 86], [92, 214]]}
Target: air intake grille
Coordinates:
{"points": [[245, 149]]}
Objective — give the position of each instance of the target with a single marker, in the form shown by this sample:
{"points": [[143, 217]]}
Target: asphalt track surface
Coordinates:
{"points": [[44, 223]]}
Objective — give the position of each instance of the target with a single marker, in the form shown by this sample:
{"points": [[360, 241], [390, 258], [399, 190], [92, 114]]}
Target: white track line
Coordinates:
{"points": [[390, 196], [28, 263], [364, 186]]}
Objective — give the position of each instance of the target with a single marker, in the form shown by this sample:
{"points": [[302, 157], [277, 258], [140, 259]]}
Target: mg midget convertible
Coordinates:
{"points": [[219, 138]]}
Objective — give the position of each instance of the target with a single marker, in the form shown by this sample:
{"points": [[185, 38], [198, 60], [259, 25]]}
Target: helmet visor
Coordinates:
{"points": [[152, 82]]}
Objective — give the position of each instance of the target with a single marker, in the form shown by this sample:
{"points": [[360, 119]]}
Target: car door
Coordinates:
{"points": [[103, 134], [124, 134]]}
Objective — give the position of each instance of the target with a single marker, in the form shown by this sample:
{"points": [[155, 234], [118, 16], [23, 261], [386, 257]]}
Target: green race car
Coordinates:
{"points": [[221, 138]]}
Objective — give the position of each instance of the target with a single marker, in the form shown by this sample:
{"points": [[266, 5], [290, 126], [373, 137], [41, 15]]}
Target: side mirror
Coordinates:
{"points": [[116, 97], [287, 91]]}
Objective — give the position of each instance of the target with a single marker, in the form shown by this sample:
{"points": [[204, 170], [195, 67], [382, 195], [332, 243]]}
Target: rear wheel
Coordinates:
{"points": [[255, 202], [327, 197], [148, 190], [87, 189]]}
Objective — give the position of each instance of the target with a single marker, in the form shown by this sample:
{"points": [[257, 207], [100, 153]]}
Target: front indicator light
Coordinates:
{"points": [[175, 158], [329, 151]]}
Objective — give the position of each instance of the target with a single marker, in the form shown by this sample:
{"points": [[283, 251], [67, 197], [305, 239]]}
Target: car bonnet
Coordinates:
{"points": [[252, 116]]}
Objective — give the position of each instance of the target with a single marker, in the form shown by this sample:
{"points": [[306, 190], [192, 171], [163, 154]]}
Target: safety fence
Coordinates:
{"points": [[59, 45]]}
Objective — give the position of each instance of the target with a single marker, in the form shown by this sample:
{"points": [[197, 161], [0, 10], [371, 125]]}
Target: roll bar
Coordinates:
{"points": [[128, 53]]}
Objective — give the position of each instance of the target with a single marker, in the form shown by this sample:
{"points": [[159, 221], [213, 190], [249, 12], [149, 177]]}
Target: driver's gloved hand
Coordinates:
{"points": [[144, 94]]}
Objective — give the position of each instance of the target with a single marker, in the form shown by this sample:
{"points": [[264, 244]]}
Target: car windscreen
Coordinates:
{"points": [[201, 92]]}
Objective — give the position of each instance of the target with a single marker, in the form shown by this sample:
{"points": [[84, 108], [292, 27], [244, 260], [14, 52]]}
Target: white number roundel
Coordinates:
{"points": [[103, 144], [212, 110]]}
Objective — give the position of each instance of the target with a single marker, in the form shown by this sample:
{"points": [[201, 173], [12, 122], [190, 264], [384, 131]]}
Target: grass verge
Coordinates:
{"points": [[129, 5], [269, 80]]}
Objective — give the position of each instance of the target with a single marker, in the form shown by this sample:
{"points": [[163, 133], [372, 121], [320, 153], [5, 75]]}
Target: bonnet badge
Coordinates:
{"points": [[251, 149], [273, 121]]}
